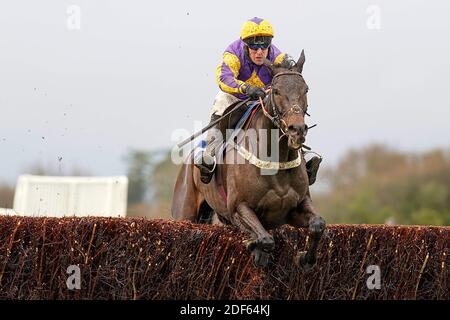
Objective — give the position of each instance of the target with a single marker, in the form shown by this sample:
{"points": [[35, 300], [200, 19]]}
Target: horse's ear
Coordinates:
{"points": [[269, 65], [299, 65]]}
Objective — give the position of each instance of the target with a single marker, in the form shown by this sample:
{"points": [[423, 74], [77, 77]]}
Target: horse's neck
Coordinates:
{"points": [[264, 123]]}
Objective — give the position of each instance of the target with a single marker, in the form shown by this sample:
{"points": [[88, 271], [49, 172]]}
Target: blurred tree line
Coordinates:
{"points": [[376, 184], [6, 196], [151, 177]]}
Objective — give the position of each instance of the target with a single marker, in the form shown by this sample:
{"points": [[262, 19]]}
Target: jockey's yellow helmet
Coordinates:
{"points": [[256, 27]]}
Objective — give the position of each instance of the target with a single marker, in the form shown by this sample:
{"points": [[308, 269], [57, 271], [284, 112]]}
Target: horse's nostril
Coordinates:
{"points": [[297, 129]]}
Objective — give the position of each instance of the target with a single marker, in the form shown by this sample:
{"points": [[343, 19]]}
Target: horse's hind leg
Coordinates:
{"points": [[262, 243], [306, 217]]}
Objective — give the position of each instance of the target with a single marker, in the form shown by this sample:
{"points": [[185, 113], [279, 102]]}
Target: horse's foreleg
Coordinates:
{"points": [[262, 243], [306, 217]]}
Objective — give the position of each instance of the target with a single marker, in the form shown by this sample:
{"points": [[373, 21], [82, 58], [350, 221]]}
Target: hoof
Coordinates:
{"points": [[317, 226], [250, 244], [300, 261], [261, 257], [261, 250]]}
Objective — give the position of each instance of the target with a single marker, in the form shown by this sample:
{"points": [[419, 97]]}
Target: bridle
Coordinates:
{"points": [[277, 120], [277, 117]]}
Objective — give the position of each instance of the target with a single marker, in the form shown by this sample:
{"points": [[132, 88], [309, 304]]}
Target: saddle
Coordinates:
{"points": [[237, 121]]}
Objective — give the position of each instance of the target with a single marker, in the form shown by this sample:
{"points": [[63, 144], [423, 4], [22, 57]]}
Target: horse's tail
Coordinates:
{"points": [[187, 203], [185, 197]]}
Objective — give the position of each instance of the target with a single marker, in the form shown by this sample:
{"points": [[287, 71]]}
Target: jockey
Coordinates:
{"points": [[242, 74]]}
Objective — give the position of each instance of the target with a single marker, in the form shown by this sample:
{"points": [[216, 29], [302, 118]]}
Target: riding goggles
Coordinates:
{"points": [[256, 46], [259, 42]]}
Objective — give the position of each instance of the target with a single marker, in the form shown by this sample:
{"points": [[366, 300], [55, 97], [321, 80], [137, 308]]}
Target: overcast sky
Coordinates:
{"points": [[135, 71]]}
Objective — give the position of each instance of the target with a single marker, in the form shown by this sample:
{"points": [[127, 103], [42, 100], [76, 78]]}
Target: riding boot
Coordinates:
{"points": [[312, 166], [206, 160]]}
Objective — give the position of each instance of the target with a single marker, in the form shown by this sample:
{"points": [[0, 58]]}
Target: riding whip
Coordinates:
{"points": [[212, 124]]}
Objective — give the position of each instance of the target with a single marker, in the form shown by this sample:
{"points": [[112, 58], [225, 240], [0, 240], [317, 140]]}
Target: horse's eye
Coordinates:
{"points": [[275, 92]]}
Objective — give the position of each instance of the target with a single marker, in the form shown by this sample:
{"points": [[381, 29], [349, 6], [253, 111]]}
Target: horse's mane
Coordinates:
{"points": [[287, 64]]}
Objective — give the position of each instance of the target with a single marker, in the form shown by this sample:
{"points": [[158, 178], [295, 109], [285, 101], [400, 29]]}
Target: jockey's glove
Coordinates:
{"points": [[253, 92]]}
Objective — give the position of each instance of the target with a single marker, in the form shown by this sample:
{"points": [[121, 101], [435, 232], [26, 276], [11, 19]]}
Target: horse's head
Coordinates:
{"points": [[287, 100]]}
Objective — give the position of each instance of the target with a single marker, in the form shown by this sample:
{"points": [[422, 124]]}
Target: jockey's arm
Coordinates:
{"points": [[227, 72]]}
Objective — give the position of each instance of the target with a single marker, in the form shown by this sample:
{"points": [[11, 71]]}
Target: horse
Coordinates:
{"points": [[240, 194]]}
